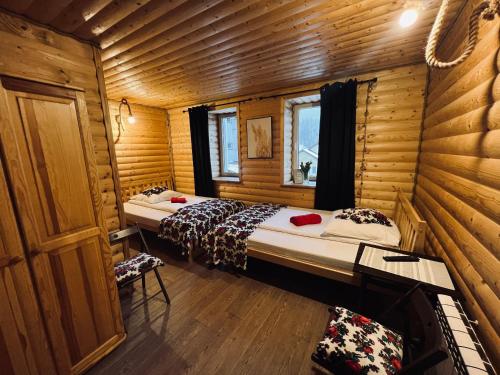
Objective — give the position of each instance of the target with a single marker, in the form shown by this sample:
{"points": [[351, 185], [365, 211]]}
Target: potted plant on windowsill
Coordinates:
{"points": [[305, 169]]}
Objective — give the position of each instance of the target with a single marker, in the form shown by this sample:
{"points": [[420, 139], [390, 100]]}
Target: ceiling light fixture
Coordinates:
{"points": [[408, 17]]}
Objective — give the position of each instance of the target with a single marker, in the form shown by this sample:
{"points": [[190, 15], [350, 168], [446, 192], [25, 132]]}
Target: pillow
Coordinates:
{"points": [[156, 195], [363, 224], [355, 344], [167, 194], [154, 190], [154, 198]]}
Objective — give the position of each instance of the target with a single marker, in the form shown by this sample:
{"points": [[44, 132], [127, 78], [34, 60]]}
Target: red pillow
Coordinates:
{"points": [[305, 219], [178, 200]]}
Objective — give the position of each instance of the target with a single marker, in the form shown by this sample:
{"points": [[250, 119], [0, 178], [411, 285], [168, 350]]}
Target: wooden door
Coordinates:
{"points": [[49, 158], [24, 348]]}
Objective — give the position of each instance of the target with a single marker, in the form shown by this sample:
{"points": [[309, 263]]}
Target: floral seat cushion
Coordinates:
{"points": [[133, 267], [354, 344]]}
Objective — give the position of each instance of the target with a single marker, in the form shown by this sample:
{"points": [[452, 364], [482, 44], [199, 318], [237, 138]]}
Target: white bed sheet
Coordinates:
{"points": [[281, 223], [168, 206], [144, 215], [301, 246], [318, 250]]}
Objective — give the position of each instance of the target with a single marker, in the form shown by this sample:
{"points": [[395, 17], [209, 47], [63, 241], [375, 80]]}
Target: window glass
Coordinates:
{"points": [[229, 144], [308, 137]]}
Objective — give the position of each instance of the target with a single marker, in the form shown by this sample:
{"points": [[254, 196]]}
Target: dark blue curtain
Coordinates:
{"points": [[198, 123], [336, 153]]}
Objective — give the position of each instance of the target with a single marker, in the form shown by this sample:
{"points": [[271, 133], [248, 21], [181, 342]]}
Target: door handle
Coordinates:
{"points": [[35, 252], [15, 259], [7, 260]]}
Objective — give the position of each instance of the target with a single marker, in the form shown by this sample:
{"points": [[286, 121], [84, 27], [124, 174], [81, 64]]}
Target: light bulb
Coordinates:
{"points": [[408, 17], [131, 120]]}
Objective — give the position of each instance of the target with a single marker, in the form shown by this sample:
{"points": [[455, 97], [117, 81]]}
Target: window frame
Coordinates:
{"points": [[220, 116], [295, 132]]}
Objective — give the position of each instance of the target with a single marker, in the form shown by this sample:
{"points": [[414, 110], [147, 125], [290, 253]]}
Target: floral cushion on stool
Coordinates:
{"points": [[354, 344], [133, 267]]}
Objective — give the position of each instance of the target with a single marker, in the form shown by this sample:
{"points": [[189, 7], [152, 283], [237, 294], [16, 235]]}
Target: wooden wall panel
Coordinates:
{"points": [[36, 53], [392, 140], [143, 149], [458, 186]]}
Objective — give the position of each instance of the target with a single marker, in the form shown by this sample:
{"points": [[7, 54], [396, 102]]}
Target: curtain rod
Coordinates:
{"points": [[371, 80]]}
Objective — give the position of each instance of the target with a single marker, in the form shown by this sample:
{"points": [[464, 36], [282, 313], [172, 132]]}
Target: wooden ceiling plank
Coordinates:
{"points": [[317, 65], [282, 84], [211, 89], [159, 29], [275, 43], [137, 20], [388, 75], [77, 13], [418, 57], [46, 11], [236, 43], [16, 6], [107, 17], [186, 46], [237, 25], [228, 63], [36, 34], [290, 73], [283, 58]]}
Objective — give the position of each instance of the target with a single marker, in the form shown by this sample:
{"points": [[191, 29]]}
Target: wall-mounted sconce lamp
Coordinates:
{"points": [[130, 118], [119, 119]]}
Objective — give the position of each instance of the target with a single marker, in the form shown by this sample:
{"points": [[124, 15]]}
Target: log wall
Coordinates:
{"points": [[392, 141], [458, 184], [36, 53], [143, 149]]}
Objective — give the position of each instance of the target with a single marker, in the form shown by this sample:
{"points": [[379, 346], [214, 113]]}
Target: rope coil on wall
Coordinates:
{"points": [[486, 10]]}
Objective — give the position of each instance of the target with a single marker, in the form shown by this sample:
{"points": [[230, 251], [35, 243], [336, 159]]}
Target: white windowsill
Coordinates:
{"points": [[226, 179], [305, 184]]}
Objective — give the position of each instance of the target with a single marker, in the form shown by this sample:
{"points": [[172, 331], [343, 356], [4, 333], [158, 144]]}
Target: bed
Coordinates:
{"points": [[299, 248]]}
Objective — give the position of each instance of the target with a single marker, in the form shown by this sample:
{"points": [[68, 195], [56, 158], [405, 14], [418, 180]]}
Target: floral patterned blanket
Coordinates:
{"points": [[364, 216], [192, 222], [227, 242]]}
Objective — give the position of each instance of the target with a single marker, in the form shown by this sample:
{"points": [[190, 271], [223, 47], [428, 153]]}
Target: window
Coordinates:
{"points": [[228, 144], [223, 133], [301, 116], [306, 137]]}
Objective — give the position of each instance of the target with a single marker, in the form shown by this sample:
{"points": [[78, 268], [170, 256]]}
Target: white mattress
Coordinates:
{"points": [[302, 243], [168, 206], [144, 215], [323, 251], [280, 222]]}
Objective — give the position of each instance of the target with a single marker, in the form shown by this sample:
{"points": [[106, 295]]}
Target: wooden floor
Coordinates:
{"points": [[266, 321]]}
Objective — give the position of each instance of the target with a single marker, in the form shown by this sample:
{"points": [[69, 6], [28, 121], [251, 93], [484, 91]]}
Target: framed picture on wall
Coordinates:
{"points": [[260, 138]]}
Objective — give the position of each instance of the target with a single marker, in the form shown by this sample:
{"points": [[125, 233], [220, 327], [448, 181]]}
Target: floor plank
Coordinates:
{"points": [[264, 321]]}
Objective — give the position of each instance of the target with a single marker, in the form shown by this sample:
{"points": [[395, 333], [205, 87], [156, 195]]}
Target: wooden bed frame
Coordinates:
{"points": [[411, 226], [132, 188]]}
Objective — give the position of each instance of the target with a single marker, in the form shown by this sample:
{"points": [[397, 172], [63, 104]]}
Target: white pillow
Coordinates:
{"points": [[156, 198], [374, 232], [166, 195], [153, 198]]}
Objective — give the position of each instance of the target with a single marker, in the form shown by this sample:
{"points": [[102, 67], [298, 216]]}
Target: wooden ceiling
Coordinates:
{"points": [[178, 52]]}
